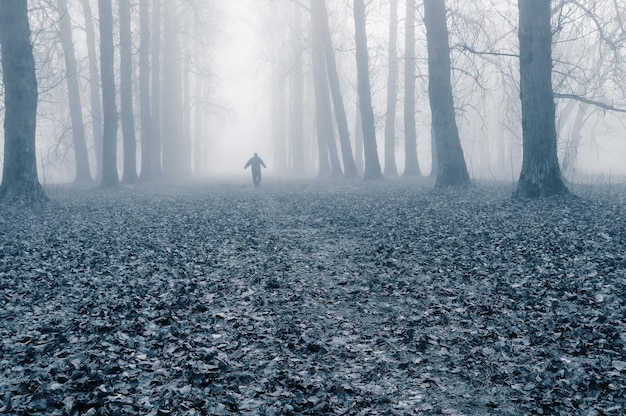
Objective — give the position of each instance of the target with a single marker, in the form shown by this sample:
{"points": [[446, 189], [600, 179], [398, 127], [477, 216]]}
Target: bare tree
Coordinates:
{"points": [[82, 173], [372, 164], [329, 164], [452, 170], [392, 93], [107, 60], [335, 89], [127, 116], [540, 174], [94, 86], [155, 107], [147, 143], [411, 165], [176, 149], [296, 94], [19, 174]]}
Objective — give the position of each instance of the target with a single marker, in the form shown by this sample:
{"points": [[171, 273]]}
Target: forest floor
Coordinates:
{"points": [[313, 298]]}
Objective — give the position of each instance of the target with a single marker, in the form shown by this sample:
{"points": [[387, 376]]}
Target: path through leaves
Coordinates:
{"points": [[315, 299]]}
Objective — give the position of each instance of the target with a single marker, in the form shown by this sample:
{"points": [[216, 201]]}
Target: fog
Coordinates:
{"points": [[236, 50]]}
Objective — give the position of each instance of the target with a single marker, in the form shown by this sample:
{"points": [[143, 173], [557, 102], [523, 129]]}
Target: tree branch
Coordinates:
{"points": [[604, 106]]}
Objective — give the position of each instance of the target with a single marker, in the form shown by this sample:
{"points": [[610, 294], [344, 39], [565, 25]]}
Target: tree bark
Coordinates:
{"points": [[82, 174], [372, 164], [155, 130], [452, 170], [107, 56], [94, 87], [19, 173], [147, 143], [411, 165], [349, 165], [392, 93], [126, 94], [540, 175]]}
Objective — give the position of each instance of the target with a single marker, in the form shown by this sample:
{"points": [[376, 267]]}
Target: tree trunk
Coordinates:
{"points": [[411, 165], [540, 175], [155, 130], [296, 97], [278, 120], [358, 140], [392, 93], [19, 173], [82, 173], [94, 87], [107, 57], [147, 143], [372, 164], [176, 161], [349, 165], [452, 170], [329, 159], [198, 155], [570, 158], [126, 95]]}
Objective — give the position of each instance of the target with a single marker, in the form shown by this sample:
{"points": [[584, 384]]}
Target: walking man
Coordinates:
{"points": [[255, 163]]}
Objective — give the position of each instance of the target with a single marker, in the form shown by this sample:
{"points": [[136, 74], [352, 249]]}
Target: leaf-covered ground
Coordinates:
{"points": [[315, 299]]}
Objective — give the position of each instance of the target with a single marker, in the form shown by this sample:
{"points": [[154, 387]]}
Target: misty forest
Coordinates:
{"points": [[313, 207]]}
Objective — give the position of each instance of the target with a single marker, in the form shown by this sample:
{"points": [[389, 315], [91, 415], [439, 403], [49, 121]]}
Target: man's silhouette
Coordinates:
{"points": [[255, 162]]}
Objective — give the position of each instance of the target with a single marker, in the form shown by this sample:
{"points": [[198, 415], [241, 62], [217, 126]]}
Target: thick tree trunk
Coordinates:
{"points": [[349, 165], [94, 87], [107, 57], [296, 96], [540, 175], [411, 165], [82, 173], [126, 95], [155, 130], [452, 170], [19, 173], [372, 164], [392, 93], [144, 91]]}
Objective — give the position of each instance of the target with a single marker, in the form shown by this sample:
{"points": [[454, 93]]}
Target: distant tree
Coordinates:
{"points": [[411, 165], [176, 147], [296, 94], [109, 149], [392, 93], [94, 86], [452, 170], [540, 175], [155, 99], [329, 164], [372, 164], [19, 174], [147, 142], [82, 173], [349, 165], [127, 116]]}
